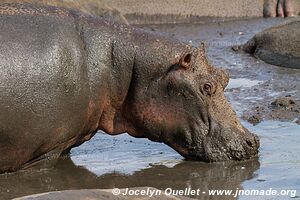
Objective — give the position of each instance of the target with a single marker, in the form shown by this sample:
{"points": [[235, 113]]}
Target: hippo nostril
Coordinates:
{"points": [[249, 143], [253, 142]]}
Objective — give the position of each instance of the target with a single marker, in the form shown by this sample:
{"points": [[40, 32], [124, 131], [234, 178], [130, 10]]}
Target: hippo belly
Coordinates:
{"points": [[43, 87]]}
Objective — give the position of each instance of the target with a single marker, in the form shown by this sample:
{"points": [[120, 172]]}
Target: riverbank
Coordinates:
{"points": [[185, 11]]}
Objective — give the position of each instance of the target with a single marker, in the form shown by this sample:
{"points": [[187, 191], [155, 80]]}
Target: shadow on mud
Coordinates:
{"points": [[66, 175]]}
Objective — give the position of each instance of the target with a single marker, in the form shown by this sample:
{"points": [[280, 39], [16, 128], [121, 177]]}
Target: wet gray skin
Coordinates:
{"points": [[65, 75]]}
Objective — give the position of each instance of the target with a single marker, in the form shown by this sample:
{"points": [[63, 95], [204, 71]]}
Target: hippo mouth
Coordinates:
{"points": [[220, 144], [218, 147]]}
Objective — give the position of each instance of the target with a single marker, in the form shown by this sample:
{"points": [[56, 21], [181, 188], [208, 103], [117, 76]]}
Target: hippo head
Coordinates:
{"points": [[182, 104]]}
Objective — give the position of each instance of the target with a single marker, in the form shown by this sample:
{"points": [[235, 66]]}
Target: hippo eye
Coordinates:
{"points": [[207, 88]]}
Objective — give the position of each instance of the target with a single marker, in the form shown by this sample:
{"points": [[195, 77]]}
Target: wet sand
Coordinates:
{"points": [[123, 161], [175, 11]]}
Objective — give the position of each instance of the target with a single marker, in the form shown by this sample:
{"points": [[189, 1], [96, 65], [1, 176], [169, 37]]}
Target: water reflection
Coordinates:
{"points": [[66, 175]]}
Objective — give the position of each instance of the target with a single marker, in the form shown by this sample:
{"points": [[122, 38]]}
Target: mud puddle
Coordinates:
{"points": [[123, 161]]}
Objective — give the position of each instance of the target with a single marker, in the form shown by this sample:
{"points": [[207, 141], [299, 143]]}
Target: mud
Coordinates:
{"points": [[122, 161], [283, 109]]}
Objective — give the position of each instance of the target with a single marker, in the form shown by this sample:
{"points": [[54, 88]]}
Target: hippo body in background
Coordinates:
{"points": [[279, 45], [281, 8], [65, 75]]}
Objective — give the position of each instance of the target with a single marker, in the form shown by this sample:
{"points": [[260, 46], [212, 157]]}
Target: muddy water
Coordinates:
{"points": [[123, 161]]}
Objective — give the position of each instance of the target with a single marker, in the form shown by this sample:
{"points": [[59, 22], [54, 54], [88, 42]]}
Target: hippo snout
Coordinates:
{"points": [[253, 142], [245, 147], [230, 144], [220, 144]]}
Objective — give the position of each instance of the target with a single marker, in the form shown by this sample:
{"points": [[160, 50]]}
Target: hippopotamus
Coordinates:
{"points": [[278, 45], [281, 8], [65, 75]]}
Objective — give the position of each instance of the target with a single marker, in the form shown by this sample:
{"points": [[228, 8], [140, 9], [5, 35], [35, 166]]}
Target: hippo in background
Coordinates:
{"points": [[65, 75], [278, 45], [281, 8]]}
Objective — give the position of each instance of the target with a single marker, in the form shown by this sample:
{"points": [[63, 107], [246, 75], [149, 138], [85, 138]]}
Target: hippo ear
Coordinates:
{"points": [[202, 48], [185, 61]]}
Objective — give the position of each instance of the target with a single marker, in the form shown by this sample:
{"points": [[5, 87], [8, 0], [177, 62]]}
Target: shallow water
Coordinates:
{"points": [[122, 161], [139, 162], [279, 158], [241, 83]]}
